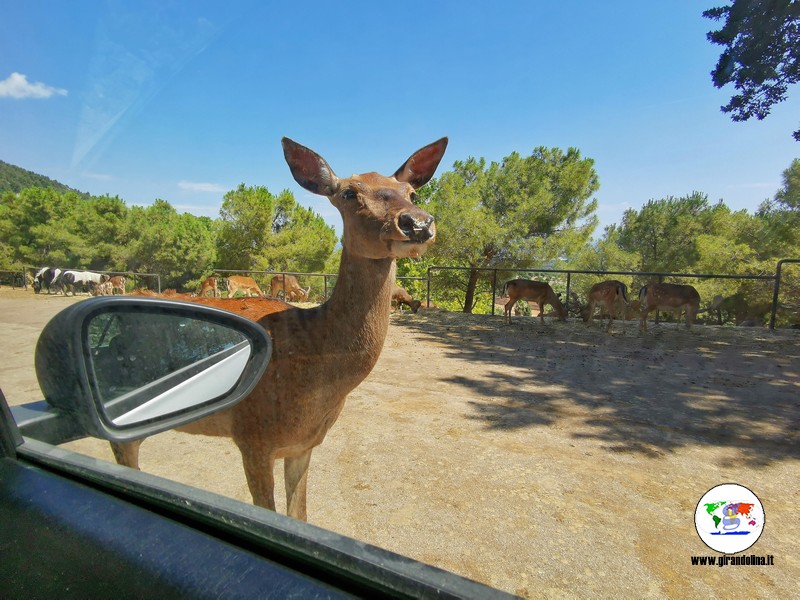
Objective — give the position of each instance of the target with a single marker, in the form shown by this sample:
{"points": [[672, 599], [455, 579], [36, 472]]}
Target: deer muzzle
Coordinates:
{"points": [[417, 228]]}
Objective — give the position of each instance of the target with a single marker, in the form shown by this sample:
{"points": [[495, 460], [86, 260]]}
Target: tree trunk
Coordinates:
{"points": [[469, 300]]}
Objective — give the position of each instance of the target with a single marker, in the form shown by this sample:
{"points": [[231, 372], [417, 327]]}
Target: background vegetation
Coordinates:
{"points": [[523, 213]]}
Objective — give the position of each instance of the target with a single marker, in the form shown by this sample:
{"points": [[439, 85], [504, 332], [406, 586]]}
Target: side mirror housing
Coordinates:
{"points": [[129, 367]]}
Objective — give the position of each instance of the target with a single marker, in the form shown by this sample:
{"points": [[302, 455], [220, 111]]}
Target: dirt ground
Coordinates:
{"points": [[548, 461]]}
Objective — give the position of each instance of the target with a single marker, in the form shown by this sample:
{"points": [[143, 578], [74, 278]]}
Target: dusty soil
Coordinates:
{"points": [[548, 461]]}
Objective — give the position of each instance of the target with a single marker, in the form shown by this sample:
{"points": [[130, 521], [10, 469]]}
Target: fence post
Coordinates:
{"points": [[428, 299], [775, 293], [494, 288], [566, 299]]}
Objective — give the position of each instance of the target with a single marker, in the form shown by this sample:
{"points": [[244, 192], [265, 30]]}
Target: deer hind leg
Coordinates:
{"points": [[691, 315], [611, 309], [295, 472], [541, 311], [507, 311], [590, 316], [127, 453], [258, 469]]}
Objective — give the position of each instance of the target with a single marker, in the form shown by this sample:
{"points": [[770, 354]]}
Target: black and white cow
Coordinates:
{"points": [[45, 277], [85, 280]]}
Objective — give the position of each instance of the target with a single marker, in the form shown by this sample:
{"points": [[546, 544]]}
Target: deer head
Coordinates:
{"points": [[380, 219]]}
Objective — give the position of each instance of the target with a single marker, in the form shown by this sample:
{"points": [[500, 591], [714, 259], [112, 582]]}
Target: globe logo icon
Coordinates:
{"points": [[729, 518]]}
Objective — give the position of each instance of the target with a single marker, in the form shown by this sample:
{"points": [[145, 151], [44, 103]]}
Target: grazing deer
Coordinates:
{"points": [[244, 284], [400, 297], [321, 354], [613, 295], [533, 291], [670, 297], [210, 284], [290, 287]]}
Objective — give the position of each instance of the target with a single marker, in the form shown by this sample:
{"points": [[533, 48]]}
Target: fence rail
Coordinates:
{"points": [[329, 279], [661, 275], [133, 275]]}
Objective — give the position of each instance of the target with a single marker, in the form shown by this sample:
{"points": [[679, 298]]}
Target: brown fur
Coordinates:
{"points": [[247, 285], [210, 284], [290, 287], [611, 294], [670, 297], [534, 291], [400, 296], [320, 354]]}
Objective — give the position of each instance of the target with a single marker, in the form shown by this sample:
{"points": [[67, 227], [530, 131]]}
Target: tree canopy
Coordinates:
{"points": [[761, 56], [520, 212]]}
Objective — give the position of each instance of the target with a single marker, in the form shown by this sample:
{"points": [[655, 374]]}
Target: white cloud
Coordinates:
{"points": [[17, 86], [192, 186]]}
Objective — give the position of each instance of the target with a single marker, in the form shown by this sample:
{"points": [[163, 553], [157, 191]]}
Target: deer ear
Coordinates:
{"points": [[421, 166], [309, 169]]}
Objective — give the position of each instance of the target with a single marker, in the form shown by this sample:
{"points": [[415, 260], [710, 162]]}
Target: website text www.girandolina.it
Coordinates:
{"points": [[724, 561]]}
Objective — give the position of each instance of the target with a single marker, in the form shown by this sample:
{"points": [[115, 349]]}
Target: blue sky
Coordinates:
{"points": [[185, 100]]}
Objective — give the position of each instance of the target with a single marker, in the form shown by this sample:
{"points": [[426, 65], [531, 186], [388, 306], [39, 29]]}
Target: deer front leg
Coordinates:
{"points": [[295, 472], [258, 469], [127, 453]]}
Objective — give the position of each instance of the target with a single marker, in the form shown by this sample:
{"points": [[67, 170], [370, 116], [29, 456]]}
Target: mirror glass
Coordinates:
{"points": [[145, 365]]}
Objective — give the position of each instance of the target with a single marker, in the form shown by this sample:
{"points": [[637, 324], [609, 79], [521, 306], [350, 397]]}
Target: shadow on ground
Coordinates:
{"points": [[646, 393]]}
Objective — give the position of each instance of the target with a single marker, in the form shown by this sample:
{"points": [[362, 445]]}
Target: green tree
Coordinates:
{"points": [[604, 254], [35, 224], [101, 222], [523, 212], [260, 231], [780, 217], [664, 232], [176, 246], [762, 54]]}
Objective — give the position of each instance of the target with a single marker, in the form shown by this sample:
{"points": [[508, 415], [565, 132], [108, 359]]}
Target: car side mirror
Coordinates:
{"points": [[129, 367]]}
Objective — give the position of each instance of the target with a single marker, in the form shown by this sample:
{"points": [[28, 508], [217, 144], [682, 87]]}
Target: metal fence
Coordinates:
{"points": [[138, 280], [564, 280], [14, 278], [487, 282], [264, 279]]}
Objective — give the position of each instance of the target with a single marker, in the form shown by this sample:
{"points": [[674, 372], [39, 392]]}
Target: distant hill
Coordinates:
{"points": [[15, 179]]}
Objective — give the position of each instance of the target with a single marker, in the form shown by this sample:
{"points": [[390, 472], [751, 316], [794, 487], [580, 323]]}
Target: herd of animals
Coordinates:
{"points": [[320, 354], [54, 280], [611, 295], [67, 281]]}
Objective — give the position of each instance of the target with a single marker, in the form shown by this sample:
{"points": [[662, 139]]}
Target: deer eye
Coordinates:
{"points": [[349, 194], [414, 197]]}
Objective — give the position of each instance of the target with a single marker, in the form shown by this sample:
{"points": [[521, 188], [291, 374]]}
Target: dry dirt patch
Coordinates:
{"points": [[547, 460]]}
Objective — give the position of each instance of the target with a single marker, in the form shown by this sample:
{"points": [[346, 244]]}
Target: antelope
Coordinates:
{"points": [[535, 291], [670, 297], [613, 295], [321, 354]]}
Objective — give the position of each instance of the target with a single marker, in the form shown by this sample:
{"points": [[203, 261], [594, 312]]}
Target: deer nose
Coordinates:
{"points": [[416, 229]]}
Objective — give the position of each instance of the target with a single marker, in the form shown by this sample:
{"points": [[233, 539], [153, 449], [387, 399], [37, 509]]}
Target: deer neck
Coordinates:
{"points": [[358, 310]]}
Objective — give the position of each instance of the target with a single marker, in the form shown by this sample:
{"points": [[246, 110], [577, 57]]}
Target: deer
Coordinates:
{"points": [[672, 297], [320, 354], [611, 294], [210, 284], [536, 291], [290, 287]]}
